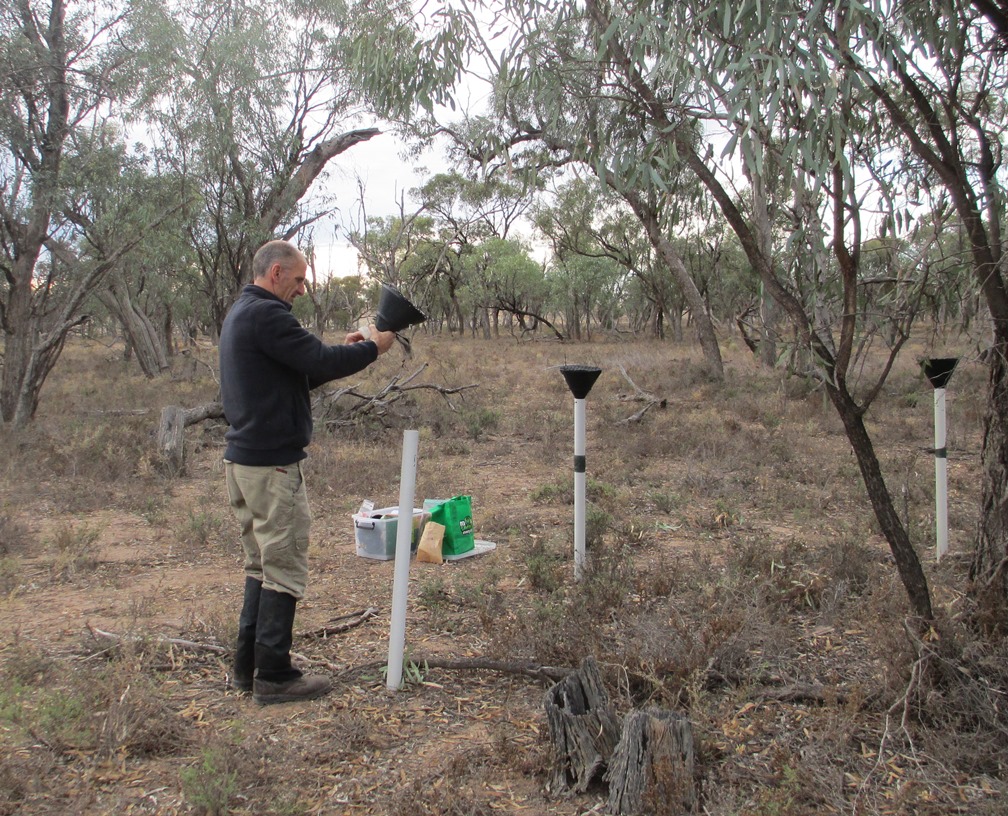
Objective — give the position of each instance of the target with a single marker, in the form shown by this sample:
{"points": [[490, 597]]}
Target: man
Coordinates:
{"points": [[268, 365]]}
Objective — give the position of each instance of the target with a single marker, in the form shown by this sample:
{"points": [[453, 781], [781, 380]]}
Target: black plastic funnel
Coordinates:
{"points": [[939, 370], [395, 313], [580, 378]]}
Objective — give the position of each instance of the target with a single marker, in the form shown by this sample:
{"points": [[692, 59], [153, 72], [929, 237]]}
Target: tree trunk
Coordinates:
{"points": [[19, 330], [138, 328], [907, 563], [768, 332], [704, 326], [990, 558], [764, 235], [583, 727], [651, 770]]}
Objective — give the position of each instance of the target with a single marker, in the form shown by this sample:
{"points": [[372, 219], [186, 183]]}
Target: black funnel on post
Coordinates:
{"points": [[939, 370], [580, 378], [395, 312]]}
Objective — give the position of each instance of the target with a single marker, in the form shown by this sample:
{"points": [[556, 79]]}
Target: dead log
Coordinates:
{"points": [[640, 395], [651, 770], [584, 729], [171, 432]]}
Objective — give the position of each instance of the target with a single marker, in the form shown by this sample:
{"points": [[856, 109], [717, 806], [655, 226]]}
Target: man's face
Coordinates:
{"points": [[289, 280]]}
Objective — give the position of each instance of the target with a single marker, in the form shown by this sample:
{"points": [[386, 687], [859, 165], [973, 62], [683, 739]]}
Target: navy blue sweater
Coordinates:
{"points": [[268, 363]]}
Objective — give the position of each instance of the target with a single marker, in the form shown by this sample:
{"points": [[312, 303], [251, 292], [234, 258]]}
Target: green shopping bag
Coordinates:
{"points": [[456, 516]]}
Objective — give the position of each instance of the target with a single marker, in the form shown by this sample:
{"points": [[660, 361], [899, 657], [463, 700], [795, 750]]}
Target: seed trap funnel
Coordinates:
{"points": [[580, 379], [395, 312], [939, 370]]}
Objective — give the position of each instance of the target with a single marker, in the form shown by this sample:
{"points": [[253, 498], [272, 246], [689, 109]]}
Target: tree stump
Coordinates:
{"points": [[583, 726], [651, 770], [171, 432]]}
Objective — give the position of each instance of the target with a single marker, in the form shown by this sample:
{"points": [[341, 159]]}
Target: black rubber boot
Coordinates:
{"points": [[244, 656], [276, 680]]}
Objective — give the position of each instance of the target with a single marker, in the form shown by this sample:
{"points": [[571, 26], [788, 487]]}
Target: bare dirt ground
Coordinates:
{"points": [[737, 578]]}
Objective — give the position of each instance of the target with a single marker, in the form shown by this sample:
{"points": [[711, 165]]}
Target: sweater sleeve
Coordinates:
{"points": [[281, 337]]}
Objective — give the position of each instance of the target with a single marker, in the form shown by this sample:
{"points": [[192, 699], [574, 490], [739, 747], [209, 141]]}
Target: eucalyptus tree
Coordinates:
{"points": [[639, 92], [582, 217], [501, 277], [944, 95], [249, 101], [410, 251], [337, 302], [819, 149], [467, 213], [68, 209], [550, 110], [145, 289], [900, 103]]}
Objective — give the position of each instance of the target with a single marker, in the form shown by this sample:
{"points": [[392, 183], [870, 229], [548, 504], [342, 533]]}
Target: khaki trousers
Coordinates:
{"points": [[271, 504]]}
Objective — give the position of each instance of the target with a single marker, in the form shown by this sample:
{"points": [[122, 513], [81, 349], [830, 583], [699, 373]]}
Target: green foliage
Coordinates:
{"points": [[66, 720], [12, 695], [413, 673], [665, 501], [212, 781], [480, 420], [543, 566], [400, 61]]}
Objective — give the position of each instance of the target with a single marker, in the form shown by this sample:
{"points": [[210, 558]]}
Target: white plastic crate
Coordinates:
{"points": [[375, 531]]}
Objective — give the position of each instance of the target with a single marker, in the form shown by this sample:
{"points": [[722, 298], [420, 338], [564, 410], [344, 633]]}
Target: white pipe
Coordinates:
{"points": [[941, 474], [580, 485], [400, 585]]}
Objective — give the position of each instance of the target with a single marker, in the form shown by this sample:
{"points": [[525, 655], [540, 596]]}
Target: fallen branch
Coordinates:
{"points": [[351, 620], [158, 641], [327, 411], [545, 674], [801, 693], [195, 646], [639, 395], [534, 670]]}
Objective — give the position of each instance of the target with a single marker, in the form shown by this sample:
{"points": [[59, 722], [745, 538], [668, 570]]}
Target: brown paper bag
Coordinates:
{"points": [[429, 549]]}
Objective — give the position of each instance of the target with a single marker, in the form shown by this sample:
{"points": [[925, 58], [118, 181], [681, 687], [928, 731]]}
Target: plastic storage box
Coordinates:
{"points": [[375, 531]]}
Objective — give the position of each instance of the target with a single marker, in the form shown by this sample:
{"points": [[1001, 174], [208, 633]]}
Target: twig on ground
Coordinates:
{"points": [[350, 620], [159, 641]]}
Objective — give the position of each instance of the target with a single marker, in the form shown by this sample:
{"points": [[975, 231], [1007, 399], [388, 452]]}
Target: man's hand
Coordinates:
{"points": [[382, 339]]}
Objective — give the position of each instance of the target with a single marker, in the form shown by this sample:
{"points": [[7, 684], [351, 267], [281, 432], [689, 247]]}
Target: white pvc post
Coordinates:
{"points": [[580, 484], [400, 585], [941, 474]]}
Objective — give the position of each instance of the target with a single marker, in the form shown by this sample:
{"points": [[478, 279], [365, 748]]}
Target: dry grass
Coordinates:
{"points": [[736, 575]]}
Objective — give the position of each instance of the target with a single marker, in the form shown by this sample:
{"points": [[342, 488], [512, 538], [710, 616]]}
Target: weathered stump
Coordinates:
{"points": [[651, 770], [583, 727], [171, 432]]}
